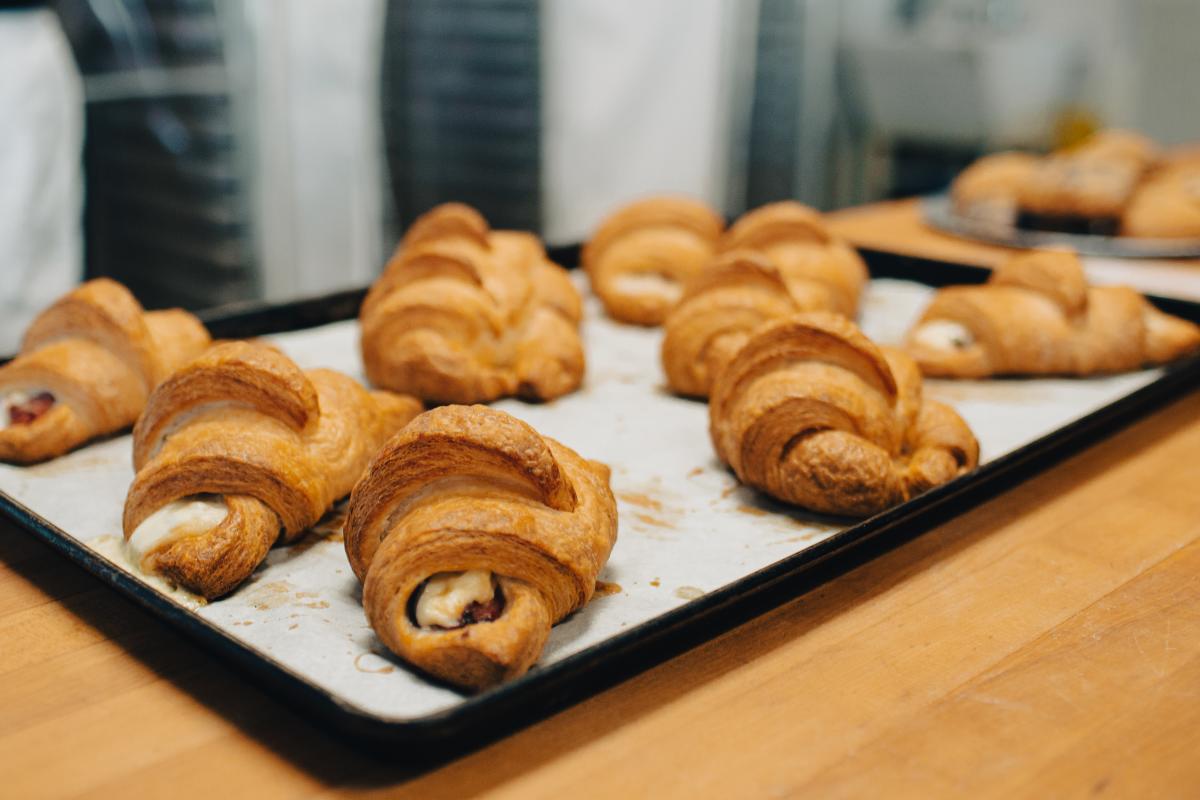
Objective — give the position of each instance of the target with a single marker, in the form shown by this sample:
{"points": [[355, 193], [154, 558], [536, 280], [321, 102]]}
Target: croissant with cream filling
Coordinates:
{"points": [[473, 535], [641, 255], [241, 448], [1036, 315]]}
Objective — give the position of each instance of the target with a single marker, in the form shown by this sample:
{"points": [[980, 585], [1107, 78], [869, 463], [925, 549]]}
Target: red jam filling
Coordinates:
{"points": [[28, 411], [483, 612]]}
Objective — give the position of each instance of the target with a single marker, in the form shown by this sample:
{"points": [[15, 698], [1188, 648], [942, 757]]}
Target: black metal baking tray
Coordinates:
{"points": [[554, 686]]}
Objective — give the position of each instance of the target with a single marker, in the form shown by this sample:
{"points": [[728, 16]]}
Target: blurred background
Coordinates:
{"points": [[210, 151]]}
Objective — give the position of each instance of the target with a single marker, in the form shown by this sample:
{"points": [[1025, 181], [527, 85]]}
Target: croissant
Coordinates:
{"points": [[1087, 188], [473, 535], [721, 307], [464, 314], [988, 189], [796, 240], [1037, 315], [240, 448], [1167, 206], [811, 412], [86, 366], [640, 256]]}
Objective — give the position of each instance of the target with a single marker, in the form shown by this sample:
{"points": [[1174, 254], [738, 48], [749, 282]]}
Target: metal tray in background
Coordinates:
{"points": [[939, 213], [555, 685]]}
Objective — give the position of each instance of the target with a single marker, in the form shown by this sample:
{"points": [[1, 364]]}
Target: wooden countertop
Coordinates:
{"points": [[1046, 643]]}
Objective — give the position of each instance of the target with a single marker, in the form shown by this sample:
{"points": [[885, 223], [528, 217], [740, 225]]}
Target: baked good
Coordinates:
{"points": [[86, 366], [1166, 206], [1037, 315], [796, 240], [722, 306], [473, 535], [641, 255], [241, 448], [813, 413], [466, 314], [988, 190], [1086, 189]]}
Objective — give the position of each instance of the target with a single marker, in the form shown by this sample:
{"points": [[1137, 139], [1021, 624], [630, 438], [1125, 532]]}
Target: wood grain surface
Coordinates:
{"points": [[1044, 644]]}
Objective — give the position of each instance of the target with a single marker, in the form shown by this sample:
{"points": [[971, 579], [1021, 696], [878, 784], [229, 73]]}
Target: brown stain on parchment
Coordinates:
{"points": [[384, 670], [604, 589], [270, 595], [753, 511], [640, 500], [689, 592]]}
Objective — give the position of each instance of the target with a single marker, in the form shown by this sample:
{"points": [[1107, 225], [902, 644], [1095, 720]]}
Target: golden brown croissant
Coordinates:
{"points": [[988, 189], [473, 535], [795, 239], [1037, 315], [86, 366], [811, 412], [1087, 187], [721, 307], [464, 314], [1166, 206], [240, 448], [640, 257]]}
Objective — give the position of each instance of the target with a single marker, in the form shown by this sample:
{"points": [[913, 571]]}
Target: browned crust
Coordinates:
{"points": [[100, 355], [469, 487], [810, 258], [1037, 316], [665, 236], [813, 413], [281, 446], [465, 314]]}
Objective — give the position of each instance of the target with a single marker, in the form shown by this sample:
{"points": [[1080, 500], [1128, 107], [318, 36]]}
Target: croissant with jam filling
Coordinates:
{"points": [[811, 412], [473, 535], [240, 448], [86, 366], [1036, 315], [465, 314]]}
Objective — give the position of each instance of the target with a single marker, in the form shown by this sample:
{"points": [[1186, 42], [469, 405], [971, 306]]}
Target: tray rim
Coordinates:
{"points": [[937, 211], [543, 690]]}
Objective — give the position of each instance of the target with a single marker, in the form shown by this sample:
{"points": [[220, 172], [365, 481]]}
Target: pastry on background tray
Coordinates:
{"points": [[641, 255], [473, 535], [1166, 206], [813, 413], [239, 449], [466, 314], [989, 189], [1085, 189], [1036, 315], [86, 366]]}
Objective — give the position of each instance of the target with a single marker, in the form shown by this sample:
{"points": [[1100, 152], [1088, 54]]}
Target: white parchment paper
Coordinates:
{"points": [[686, 527]]}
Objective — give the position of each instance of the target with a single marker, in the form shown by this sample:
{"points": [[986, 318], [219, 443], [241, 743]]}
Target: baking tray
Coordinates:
{"points": [[939, 212], [589, 651]]}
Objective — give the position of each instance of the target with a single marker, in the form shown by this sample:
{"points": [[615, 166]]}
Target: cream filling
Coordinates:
{"points": [[942, 334], [652, 284], [447, 594], [188, 516], [14, 398]]}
